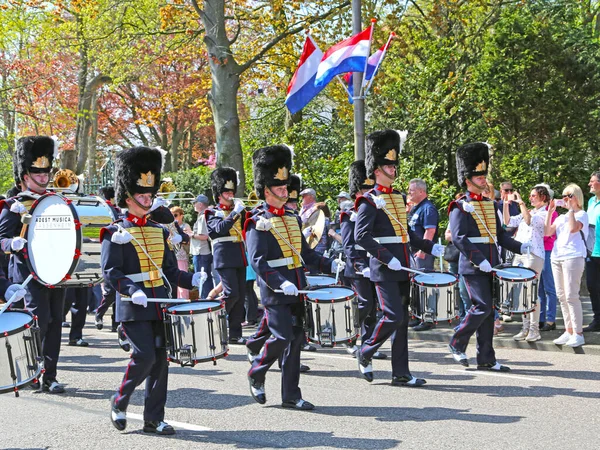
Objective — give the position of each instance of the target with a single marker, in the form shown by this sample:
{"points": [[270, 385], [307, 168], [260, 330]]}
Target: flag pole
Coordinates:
{"points": [[385, 49], [359, 103], [364, 78]]}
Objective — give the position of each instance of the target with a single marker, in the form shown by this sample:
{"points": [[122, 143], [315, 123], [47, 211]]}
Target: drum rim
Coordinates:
{"points": [[28, 325], [27, 382], [508, 266], [434, 285], [187, 311], [195, 361], [78, 241], [335, 300]]}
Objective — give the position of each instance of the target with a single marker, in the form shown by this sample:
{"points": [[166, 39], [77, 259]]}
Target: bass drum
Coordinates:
{"points": [[63, 239]]}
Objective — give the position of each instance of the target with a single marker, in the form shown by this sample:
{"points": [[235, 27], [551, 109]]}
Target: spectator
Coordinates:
{"points": [[592, 265], [182, 250], [423, 220], [568, 261], [546, 290], [506, 190], [530, 228], [200, 245], [309, 213]]}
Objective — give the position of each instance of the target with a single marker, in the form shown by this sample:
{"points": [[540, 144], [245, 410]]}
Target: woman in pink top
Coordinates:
{"points": [[546, 290]]}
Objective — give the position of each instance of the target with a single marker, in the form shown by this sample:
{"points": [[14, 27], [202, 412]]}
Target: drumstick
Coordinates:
{"points": [[337, 267], [506, 273], [441, 256], [418, 272], [301, 291], [25, 220], [13, 298], [161, 300]]}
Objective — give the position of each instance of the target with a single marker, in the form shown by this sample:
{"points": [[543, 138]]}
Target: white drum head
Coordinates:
{"points": [[52, 239], [330, 293], [193, 308], [435, 279], [319, 280], [516, 273], [13, 320]]}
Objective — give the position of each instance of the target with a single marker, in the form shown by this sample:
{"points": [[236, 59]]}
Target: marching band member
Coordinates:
{"points": [[357, 262], [33, 163], [277, 252], [224, 223], [382, 230], [477, 233], [136, 262]]}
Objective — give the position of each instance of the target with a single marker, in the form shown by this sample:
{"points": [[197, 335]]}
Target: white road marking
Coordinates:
{"points": [[490, 374], [182, 425]]}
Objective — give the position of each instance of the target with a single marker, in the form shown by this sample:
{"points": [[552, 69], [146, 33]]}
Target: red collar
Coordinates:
{"points": [[478, 197], [276, 211], [141, 221], [109, 203], [385, 190], [225, 208]]}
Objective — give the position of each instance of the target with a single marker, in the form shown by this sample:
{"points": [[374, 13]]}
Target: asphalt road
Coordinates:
{"points": [[550, 400]]}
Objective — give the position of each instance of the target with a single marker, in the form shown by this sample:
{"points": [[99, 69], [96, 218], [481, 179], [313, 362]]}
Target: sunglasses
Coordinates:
{"points": [[508, 190], [567, 196]]}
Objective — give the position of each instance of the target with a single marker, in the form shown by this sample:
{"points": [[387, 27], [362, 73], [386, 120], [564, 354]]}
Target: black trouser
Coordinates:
{"points": [[148, 362], [76, 300], [592, 276], [108, 300], [479, 319], [367, 306], [251, 302], [234, 292]]}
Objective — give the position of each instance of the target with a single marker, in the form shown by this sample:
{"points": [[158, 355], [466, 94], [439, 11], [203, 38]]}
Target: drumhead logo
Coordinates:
{"points": [[62, 222]]}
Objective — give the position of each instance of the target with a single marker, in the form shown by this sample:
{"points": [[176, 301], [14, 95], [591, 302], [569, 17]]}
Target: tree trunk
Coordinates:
{"points": [[92, 173]]}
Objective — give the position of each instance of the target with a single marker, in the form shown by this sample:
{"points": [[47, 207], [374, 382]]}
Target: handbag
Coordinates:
{"points": [[587, 250]]}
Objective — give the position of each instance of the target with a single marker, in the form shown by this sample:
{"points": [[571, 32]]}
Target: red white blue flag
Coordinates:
{"points": [[302, 88]]}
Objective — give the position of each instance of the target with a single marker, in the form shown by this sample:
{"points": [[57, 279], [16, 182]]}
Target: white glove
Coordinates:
{"points": [[263, 224], [17, 244], [15, 289], [238, 206], [437, 250], [485, 266], [140, 298], [353, 216], [121, 236], [18, 207], [366, 272], [379, 201], [394, 264], [220, 214], [467, 207], [199, 278], [307, 232], [157, 203], [337, 266], [526, 247], [176, 239], [289, 288]]}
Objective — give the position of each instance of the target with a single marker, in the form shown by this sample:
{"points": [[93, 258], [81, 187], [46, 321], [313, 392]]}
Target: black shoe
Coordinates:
{"points": [[238, 341], [541, 325], [458, 356], [300, 404], [549, 327], [66, 325], [78, 343], [493, 367], [257, 390], [99, 322], [304, 368], [117, 417], [53, 387], [424, 326], [308, 348], [250, 355], [365, 367], [35, 385], [413, 322], [408, 380], [379, 355], [594, 326], [122, 337], [113, 329], [160, 428]]}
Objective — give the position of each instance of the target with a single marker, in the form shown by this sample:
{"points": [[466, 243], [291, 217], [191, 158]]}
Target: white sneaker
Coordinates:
{"points": [[507, 318], [563, 339], [522, 335], [576, 340], [533, 335], [352, 350]]}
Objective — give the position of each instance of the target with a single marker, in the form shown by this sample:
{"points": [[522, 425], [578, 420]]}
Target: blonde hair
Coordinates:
{"points": [[572, 188], [177, 210]]}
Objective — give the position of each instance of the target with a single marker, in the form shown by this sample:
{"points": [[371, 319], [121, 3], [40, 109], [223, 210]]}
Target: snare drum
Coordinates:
{"points": [[63, 239], [437, 294], [196, 332], [20, 360], [332, 316], [316, 281], [516, 293]]}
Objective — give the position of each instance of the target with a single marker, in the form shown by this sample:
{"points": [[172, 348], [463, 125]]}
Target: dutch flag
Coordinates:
{"points": [[302, 88]]}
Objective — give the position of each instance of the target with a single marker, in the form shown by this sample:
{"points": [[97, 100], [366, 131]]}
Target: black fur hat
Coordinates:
{"points": [[472, 160], [383, 148], [358, 179], [137, 171], [223, 179], [107, 192], [294, 188], [272, 167], [34, 154]]}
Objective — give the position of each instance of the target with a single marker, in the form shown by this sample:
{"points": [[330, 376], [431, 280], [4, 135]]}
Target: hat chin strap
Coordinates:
{"points": [[386, 174], [138, 203], [41, 186], [283, 199]]}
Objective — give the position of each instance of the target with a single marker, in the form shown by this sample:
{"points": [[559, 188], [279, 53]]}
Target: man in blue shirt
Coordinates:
{"points": [[592, 263], [423, 220]]}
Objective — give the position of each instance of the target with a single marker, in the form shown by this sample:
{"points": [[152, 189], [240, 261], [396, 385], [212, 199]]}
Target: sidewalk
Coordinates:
{"points": [[444, 331]]}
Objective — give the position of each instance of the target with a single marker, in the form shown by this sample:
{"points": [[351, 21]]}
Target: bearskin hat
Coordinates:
{"points": [[383, 148], [223, 179], [358, 179], [107, 192], [294, 188], [34, 154], [272, 167], [137, 171], [472, 160]]}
